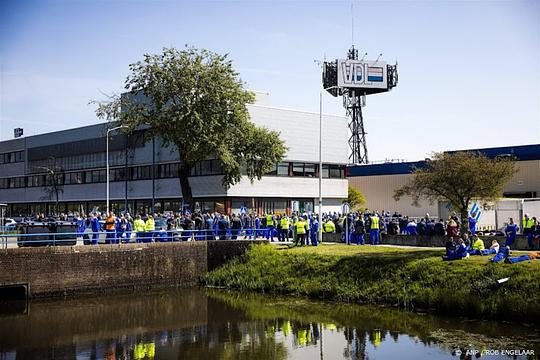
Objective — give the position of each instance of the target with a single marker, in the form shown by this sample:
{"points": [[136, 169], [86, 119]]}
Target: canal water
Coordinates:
{"points": [[212, 324]]}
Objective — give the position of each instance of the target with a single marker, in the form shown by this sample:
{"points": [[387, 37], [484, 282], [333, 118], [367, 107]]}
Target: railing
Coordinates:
{"points": [[13, 239]]}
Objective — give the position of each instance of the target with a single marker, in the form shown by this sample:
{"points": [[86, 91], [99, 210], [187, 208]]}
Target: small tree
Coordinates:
{"points": [[355, 199], [54, 185], [195, 100], [459, 178]]}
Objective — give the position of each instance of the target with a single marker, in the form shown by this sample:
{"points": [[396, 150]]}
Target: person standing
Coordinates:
{"points": [[374, 233], [527, 229], [472, 223], [535, 233], [139, 227], [301, 226], [236, 227], [284, 231], [511, 231], [110, 223], [359, 230], [96, 227], [149, 228], [314, 230], [269, 227]]}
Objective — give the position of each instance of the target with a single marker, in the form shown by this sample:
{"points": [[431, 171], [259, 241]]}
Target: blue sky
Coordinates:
{"points": [[469, 70]]}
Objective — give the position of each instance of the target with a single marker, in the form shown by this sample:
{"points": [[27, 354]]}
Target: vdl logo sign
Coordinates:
{"points": [[355, 73]]}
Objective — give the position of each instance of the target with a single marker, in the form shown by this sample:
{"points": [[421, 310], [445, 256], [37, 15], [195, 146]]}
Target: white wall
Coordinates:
{"points": [[290, 187], [300, 131]]}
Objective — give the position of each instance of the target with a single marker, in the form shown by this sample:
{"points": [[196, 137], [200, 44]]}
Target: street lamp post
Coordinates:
{"points": [[108, 131], [320, 159]]}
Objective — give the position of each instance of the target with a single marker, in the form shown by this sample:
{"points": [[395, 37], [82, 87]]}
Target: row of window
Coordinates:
{"points": [[308, 170], [162, 171], [12, 157]]}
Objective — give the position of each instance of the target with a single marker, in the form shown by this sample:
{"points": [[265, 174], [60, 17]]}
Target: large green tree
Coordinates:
{"points": [[459, 178], [195, 100]]}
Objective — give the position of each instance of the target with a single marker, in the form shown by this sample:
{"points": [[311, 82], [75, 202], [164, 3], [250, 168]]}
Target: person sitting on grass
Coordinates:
{"points": [[493, 249], [478, 246], [459, 253], [503, 253]]}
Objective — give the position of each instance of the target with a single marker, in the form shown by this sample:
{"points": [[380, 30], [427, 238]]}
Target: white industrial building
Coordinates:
{"points": [[143, 174]]}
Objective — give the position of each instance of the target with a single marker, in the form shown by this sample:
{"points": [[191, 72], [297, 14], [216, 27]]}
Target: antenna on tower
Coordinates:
{"points": [[352, 23]]}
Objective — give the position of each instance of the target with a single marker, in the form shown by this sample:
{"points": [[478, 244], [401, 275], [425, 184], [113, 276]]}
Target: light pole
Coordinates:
{"points": [[108, 131], [320, 159]]}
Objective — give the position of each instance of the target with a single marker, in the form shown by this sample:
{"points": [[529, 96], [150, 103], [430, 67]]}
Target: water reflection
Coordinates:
{"points": [[196, 324]]}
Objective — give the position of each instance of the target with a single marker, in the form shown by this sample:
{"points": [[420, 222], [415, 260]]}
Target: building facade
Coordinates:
{"points": [[143, 172], [378, 182]]}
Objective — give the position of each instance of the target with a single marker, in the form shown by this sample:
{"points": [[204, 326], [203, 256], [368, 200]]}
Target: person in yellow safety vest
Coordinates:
{"points": [[376, 338], [528, 224], [302, 337], [110, 222], [374, 230], [330, 227], [139, 226], [301, 230], [286, 328], [149, 228], [284, 231], [478, 243], [269, 227]]}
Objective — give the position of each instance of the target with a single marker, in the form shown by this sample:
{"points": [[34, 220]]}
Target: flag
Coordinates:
{"points": [[475, 209]]}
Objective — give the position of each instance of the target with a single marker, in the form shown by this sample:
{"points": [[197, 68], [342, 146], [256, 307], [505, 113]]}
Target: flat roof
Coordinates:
{"points": [[520, 152]]}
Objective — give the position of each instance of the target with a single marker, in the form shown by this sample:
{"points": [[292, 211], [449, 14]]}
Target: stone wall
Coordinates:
{"points": [[438, 241], [434, 241], [63, 270]]}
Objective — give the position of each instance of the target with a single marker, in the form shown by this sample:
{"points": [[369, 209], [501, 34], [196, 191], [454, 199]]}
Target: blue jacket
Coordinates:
{"points": [[95, 225]]}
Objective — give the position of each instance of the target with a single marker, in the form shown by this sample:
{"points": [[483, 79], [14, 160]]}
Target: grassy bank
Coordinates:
{"points": [[409, 278]]}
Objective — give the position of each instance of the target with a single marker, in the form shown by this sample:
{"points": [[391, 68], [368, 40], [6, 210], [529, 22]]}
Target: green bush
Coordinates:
{"points": [[408, 278]]}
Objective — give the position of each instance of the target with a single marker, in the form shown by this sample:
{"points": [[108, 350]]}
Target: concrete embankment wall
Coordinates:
{"points": [[63, 270]]}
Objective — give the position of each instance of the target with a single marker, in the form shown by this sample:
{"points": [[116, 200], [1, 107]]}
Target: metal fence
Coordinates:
{"points": [[9, 239]]}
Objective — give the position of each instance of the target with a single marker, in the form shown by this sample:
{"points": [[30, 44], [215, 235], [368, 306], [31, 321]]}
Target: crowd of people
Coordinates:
{"points": [[356, 228]]}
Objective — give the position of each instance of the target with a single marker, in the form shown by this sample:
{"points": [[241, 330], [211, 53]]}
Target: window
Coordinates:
{"points": [[4, 183], [117, 174], [12, 157], [283, 169], [167, 171], [75, 178], [333, 171], [17, 182], [141, 173], [298, 169], [309, 170], [36, 180]]}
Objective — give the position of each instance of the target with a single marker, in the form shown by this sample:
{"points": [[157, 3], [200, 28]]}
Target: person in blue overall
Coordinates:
{"points": [[359, 230], [120, 227], [96, 227], [459, 253], [314, 231], [472, 223], [81, 226], [257, 227], [129, 228], [503, 253], [511, 231], [374, 230], [209, 226]]}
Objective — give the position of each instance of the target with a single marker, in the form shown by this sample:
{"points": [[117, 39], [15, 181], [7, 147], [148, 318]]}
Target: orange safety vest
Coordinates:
{"points": [[110, 223]]}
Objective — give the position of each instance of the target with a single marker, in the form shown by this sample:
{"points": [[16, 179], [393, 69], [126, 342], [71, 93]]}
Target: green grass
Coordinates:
{"points": [[403, 277]]}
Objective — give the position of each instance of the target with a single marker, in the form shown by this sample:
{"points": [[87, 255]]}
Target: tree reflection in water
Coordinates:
{"points": [[196, 324]]}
